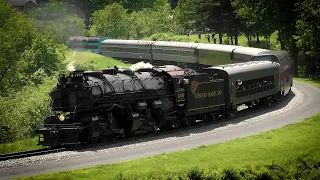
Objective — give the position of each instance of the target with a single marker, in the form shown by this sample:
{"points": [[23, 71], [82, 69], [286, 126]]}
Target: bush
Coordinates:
{"points": [[168, 37], [85, 66], [307, 167], [24, 112]]}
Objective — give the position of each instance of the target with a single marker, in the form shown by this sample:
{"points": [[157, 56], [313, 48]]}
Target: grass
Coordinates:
{"points": [[282, 144], [20, 145], [309, 81], [92, 61], [242, 40]]}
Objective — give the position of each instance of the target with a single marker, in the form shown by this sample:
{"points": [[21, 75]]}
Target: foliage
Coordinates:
{"points": [[29, 60], [185, 14], [43, 58], [168, 37], [16, 36], [44, 54], [111, 21], [86, 8], [302, 167], [137, 5], [55, 20], [279, 15], [24, 112], [219, 16], [308, 35], [115, 21], [253, 18]]}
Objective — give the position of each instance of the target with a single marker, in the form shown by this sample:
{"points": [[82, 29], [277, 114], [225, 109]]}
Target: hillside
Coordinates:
{"points": [[90, 61]]}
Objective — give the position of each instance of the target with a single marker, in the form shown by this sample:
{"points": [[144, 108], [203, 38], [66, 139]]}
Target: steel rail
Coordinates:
{"points": [[23, 154]]}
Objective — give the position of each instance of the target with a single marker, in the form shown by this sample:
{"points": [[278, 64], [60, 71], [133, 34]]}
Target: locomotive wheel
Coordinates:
{"points": [[95, 140], [211, 117], [133, 133], [231, 113], [111, 137], [176, 123], [55, 144], [267, 102], [192, 121]]}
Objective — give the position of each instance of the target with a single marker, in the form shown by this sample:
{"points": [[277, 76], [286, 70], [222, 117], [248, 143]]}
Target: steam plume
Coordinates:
{"points": [[140, 65]]}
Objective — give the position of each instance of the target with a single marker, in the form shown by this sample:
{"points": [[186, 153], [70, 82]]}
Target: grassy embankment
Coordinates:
{"points": [[92, 61], [242, 40], [284, 144], [78, 59]]}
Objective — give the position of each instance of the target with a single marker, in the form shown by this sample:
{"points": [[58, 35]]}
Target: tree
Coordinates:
{"points": [[137, 5], [253, 24], [185, 13], [219, 16], [282, 16], [140, 24], [163, 18], [56, 22], [44, 54], [27, 60], [112, 21], [308, 34], [16, 36]]}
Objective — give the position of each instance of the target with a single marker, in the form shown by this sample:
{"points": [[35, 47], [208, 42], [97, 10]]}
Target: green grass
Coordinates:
{"points": [[21, 145], [285, 143], [92, 61], [242, 40], [309, 81]]}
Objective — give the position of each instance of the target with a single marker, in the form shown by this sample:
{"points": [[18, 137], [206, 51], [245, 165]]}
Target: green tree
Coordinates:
{"points": [[44, 54], [111, 21], [56, 22], [27, 60], [137, 5], [16, 36], [185, 13], [308, 35], [163, 18], [253, 24], [280, 15], [219, 16], [140, 26], [24, 112], [159, 19]]}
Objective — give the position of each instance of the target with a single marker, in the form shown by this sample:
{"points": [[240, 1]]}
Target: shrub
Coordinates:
{"points": [[24, 112]]}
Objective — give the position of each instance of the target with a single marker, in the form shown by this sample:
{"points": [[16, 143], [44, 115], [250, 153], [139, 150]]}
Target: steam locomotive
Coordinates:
{"points": [[93, 106]]}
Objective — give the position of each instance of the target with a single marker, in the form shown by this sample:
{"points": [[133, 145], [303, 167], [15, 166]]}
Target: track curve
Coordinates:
{"points": [[308, 107]]}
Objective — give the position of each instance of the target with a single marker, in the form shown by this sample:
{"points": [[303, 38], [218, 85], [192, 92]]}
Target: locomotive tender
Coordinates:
{"points": [[94, 106]]}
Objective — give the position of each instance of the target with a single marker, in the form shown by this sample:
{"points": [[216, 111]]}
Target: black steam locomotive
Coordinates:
{"points": [[93, 106]]}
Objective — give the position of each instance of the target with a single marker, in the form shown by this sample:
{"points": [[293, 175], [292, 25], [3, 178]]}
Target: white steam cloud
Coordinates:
{"points": [[140, 65], [70, 66]]}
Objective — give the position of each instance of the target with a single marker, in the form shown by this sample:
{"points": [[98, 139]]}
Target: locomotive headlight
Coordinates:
{"points": [[61, 117]]}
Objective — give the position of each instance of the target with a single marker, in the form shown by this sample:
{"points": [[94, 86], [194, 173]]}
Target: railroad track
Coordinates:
{"points": [[247, 111], [23, 154]]}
